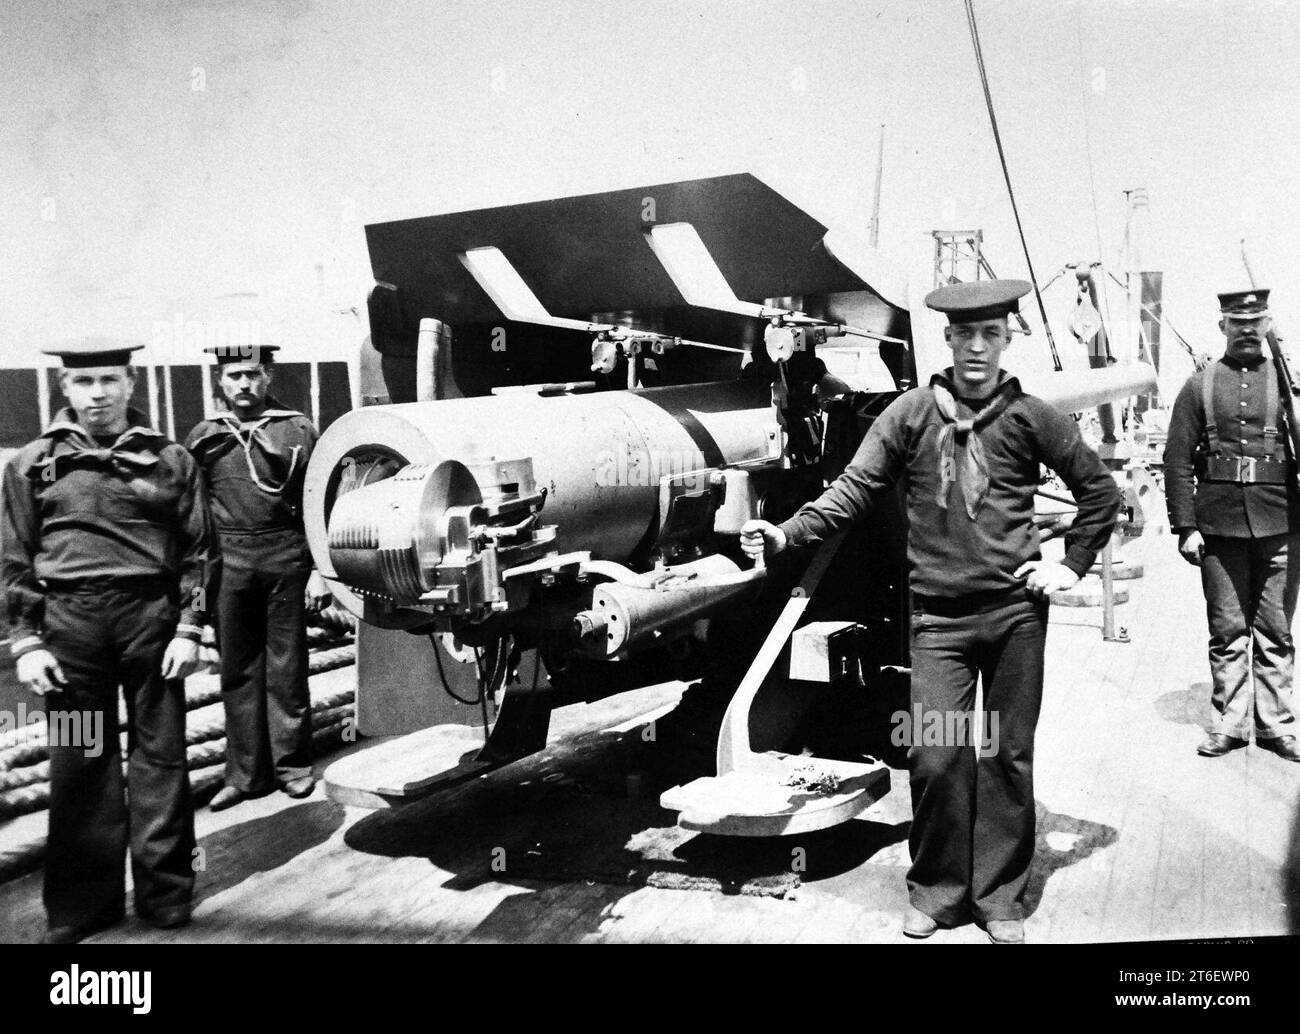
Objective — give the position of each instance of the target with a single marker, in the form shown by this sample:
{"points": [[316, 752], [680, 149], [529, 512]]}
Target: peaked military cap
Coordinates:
{"points": [[1244, 305], [94, 351], [978, 300], [242, 353]]}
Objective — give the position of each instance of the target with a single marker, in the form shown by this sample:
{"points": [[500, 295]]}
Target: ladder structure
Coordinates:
{"points": [[959, 259], [958, 256]]}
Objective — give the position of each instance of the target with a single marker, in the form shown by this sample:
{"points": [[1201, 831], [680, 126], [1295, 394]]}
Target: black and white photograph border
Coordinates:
{"points": [[577, 309]]}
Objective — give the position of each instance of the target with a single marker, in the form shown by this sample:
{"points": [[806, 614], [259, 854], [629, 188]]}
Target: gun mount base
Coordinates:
{"points": [[770, 796]]}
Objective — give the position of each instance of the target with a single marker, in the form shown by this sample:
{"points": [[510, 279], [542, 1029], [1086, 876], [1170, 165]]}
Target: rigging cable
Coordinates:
{"points": [[997, 138], [1087, 144], [1055, 277], [1164, 320], [1159, 317]]}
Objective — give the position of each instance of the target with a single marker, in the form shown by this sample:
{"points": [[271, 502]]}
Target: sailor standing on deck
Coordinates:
{"points": [[968, 449], [1230, 488], [103, 551], [253, 457]]}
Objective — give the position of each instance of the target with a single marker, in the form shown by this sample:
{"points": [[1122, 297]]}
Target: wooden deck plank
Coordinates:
{"points": [[634, 917]]}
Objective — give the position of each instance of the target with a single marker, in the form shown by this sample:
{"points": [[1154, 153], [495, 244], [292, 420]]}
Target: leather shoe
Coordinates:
{"points": [[1005, 931], [299, 788], [1282, 746], [227, 797], [1216, 744], [917, 924], [73, 933], [167, 918]]}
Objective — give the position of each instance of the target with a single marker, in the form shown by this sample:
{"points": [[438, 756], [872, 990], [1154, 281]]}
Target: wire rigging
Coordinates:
{"points": [[997, 138], [1163, 319], [1087, 146], [1160, 317], [1087, 128]]}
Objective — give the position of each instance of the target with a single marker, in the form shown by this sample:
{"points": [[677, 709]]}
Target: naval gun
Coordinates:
{"points": [[507, 502], [463, 516]]}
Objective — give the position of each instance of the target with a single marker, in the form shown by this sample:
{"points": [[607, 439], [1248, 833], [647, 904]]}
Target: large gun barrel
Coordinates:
{"points": [[438, 509], [1085, 389]]}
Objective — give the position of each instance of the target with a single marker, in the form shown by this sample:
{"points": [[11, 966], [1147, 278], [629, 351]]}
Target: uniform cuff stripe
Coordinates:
{"points": [[26, 645]]}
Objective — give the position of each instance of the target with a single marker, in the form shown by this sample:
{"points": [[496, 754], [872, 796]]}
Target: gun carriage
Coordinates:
{"points": [[582, 414]]}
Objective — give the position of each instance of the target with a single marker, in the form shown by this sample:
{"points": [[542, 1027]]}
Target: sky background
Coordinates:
{"points": [[175, 161]]}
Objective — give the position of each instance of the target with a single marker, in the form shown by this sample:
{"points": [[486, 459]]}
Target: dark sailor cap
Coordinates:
{"points": [[94, 351], [1244, 305], [242, 353], [978, 300]]}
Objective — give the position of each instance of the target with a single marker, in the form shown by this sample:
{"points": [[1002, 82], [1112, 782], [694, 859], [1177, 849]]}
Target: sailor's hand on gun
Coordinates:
{"points": [[762, 538], [1192, 547], [181, 659], [39, 671], [319, 596], [1044, 577]]}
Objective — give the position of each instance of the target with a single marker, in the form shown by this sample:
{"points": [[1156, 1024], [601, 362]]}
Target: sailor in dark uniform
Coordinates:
{"points": [[253, 456], [1231, 492], [103, 555], [968, 449]]}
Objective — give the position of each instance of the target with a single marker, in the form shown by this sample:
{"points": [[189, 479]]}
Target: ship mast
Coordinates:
{"points": [[875, 202]]}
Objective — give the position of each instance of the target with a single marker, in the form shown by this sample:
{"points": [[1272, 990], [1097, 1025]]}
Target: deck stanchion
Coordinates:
{"points": [[1108, 633]]}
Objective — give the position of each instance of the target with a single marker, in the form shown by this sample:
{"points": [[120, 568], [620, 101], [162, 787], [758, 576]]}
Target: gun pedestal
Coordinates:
{"points": [[771, 793]]}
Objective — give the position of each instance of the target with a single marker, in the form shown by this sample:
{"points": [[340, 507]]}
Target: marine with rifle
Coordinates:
{"points": [[1230, 484]]}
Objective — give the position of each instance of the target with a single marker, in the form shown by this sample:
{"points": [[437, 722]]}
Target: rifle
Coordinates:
{"points": [[1287, 383]]}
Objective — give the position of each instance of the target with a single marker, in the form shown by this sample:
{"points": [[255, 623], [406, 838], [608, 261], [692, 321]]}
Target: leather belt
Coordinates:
{"points": [[971, 603], [145, 584], [1244, 470]]}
